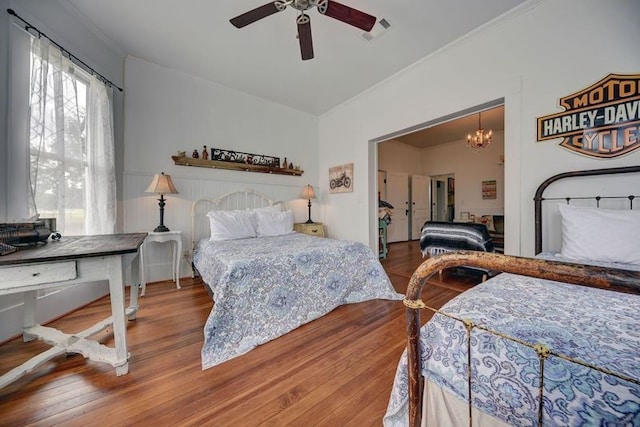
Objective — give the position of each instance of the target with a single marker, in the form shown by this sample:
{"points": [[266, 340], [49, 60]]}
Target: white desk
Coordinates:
{"points": [[72, 261], [175, 237]]}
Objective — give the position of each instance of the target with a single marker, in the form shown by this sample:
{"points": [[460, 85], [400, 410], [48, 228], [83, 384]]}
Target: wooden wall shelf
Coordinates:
{"points": [[245, 167]]}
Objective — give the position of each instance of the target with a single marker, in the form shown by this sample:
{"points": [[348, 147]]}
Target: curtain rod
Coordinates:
{"points": [[71, 56]]}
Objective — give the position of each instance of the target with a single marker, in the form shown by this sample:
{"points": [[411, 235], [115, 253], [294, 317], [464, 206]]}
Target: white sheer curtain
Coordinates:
{"points": [[100, 176], [71, 162]]}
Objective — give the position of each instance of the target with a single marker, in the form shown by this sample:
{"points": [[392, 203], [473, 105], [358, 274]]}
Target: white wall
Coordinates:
{"points": [[531, 58], [394, 156], [55, 19], [470, 168], [167, 111]]}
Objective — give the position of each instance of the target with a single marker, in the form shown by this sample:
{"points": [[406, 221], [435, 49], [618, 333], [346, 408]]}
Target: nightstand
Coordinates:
{"points": [[312, 229], [175, 237]]}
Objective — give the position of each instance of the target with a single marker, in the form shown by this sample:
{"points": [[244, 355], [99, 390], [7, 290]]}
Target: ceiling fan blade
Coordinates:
{"points": [[347, 14], [304, 36], [256, 14]]}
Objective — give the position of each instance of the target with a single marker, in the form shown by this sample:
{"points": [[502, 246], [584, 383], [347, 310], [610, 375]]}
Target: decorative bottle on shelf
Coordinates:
{"points": [[285, 165], [205, 153]]}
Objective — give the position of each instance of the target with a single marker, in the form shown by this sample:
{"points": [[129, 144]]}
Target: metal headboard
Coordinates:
{"points": [[235, 200], [538, 198]]}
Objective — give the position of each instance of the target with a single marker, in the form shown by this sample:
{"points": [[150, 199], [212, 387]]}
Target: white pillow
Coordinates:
{"points": [[273, 223], [596, 234], [229, 225]]}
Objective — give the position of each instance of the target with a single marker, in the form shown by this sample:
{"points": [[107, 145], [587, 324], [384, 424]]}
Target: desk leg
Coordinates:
{"points": [[116, 294], [30, 299], [133, 279]]}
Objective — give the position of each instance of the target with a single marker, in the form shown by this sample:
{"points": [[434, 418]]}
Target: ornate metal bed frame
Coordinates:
{"points": [[246, 198], [584, 275]]}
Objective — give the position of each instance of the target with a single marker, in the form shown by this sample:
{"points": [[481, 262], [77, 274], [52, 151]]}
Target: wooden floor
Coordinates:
{"points": [[335, 371]]}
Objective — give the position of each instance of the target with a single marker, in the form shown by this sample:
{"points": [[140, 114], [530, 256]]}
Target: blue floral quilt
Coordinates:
{"points": [[265, 287], [597, 327]]}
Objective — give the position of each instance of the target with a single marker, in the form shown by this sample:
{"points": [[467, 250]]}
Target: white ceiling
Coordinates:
{"points": [[263, 59]]}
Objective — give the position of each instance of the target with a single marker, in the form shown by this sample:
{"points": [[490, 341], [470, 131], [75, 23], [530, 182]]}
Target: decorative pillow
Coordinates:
{"points": [[596, 234], [273, 223], [229, 225]]}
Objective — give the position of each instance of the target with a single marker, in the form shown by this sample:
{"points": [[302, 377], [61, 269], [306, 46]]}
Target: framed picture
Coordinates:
{"points": [[341, 178], [465, 216], [489, 189]]}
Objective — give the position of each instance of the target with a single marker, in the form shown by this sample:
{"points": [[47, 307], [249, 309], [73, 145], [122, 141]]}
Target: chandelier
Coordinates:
{"points": [[480, 139]]}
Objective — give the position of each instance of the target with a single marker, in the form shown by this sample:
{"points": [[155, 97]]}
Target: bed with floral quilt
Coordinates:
{"points": [[553, 341], [274, 280]]}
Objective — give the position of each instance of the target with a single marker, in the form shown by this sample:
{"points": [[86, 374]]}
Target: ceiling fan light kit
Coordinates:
{"points": [[329, 8]]}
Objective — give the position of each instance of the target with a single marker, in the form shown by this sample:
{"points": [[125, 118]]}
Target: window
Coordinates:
{"points": [[71, 162]]}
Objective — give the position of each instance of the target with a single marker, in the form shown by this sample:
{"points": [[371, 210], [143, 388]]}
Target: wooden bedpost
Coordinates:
{"points": [[413, 359]]}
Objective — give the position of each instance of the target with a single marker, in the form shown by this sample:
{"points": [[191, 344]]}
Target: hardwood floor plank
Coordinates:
{"points": [[333, 371], [336, 370]]}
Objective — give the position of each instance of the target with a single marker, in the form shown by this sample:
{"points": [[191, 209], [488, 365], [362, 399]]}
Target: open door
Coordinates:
{"points": [[443, 197], [419, 204], [398, 196]]}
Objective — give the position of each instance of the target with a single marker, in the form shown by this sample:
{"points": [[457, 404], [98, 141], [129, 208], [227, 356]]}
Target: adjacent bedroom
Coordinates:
{"points": [[310, 212]]}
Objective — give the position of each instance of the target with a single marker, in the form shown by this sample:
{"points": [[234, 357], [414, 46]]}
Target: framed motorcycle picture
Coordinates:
{"points": [[341, 178]]}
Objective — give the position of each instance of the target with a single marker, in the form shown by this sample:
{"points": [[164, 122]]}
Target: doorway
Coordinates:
{"points": [[443, 199], [420, 204], [397, 195], [412, 151]]}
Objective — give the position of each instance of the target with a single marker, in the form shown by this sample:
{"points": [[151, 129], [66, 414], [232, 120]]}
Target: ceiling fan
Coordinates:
{"points": [[332, 9]]}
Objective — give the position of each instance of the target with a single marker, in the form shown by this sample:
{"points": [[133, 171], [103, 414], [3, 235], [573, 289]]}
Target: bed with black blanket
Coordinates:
{"points": [[438, 237], [553, 341]]}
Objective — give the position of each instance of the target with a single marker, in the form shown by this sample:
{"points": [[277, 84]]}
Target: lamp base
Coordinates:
{"points": [[160, 229], [309, 220]]}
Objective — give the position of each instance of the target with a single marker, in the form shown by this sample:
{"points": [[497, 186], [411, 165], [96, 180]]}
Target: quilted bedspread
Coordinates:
{"points": [[594, 326], [265, 287]]}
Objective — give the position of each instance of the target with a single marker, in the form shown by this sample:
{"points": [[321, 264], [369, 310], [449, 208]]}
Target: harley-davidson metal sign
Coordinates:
{"points": [[602, 120]]}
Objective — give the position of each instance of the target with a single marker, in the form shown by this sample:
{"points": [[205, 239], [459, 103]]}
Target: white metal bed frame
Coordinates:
{"points": [[246, 198]]}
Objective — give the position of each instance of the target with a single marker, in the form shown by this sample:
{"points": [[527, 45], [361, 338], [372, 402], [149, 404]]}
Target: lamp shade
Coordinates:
{"points": [[162, 184], [308, 193]]}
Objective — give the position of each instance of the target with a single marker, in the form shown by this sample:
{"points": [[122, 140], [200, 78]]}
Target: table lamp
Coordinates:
{"points": [[307, 193], [162, 185]]}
